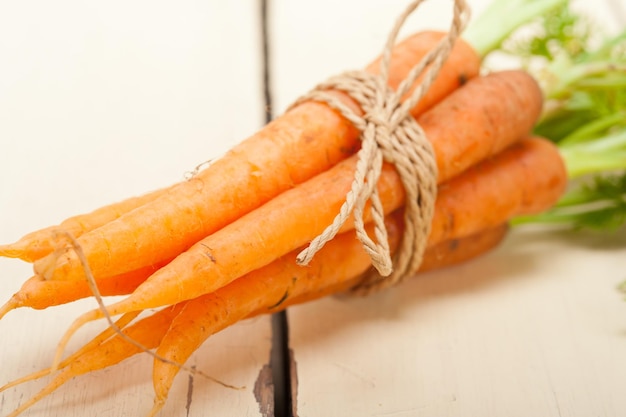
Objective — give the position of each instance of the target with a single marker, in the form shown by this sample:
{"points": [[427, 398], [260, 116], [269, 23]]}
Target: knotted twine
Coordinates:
{"points": [[388, 133]]}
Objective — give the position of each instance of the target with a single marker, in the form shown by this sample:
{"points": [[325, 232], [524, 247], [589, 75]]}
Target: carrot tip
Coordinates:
{"points": [[48, 389], [31, 377], [158, 405], [12, 251], [77, 324], [12, 304]]}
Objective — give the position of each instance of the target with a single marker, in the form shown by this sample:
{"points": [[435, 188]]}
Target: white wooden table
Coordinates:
{"points": [[101, 101]]}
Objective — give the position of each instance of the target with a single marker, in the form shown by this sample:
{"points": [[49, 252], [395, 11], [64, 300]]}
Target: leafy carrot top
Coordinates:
{"points": [[582, 71]]}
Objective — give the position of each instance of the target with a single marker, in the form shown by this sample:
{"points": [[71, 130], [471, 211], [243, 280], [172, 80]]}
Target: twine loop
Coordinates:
{"points": [[388, 133]]}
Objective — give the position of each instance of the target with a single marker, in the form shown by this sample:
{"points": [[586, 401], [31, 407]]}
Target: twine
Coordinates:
{"points": [[389, 133]]}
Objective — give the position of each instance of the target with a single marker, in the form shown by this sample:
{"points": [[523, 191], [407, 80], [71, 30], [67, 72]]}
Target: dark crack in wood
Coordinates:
{"points": [[264, 391], [189, 392], [273, 389]]}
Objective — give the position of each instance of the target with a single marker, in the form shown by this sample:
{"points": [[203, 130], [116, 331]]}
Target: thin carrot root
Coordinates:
{"points": [[97, 354], [92, 344], [47, 390], [103, 352], [77, 324], [11, 304], [26, 378], [157, 406]]}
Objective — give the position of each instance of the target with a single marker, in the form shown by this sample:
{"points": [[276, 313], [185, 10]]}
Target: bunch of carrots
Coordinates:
{"points": [[206, 253]]}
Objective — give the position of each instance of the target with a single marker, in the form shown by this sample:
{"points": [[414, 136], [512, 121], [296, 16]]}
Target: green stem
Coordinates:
{"points": [[573, 197], [572, 215], [579, 72], [549, 217], [606, 153], [585, 163], [592, 130], [605, 145], [501, 18]]}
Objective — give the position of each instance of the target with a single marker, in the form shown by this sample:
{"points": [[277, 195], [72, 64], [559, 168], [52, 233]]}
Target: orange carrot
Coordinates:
{"points": [[42, 242], [463, 65], [442, 255], [480, 121], [283, 284], [302, 143], [39, 293], [528, 177], [486, 195]]}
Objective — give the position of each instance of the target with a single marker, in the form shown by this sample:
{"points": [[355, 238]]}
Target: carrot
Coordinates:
{"points": [[442, 255], [40, 243], [303, 142], [480, 121], [283, 284], [39, 293], [148, 332], [527, 177], [448, 79]]}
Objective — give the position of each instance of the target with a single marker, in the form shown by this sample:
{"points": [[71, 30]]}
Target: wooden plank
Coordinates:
{"points": [[534, 328], [98, 102]]}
